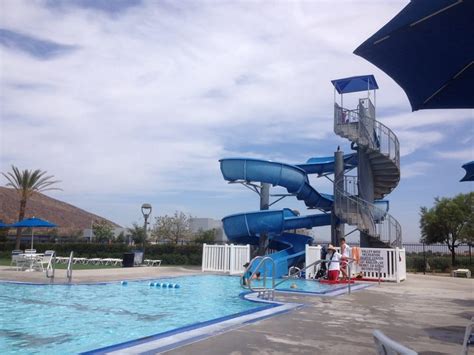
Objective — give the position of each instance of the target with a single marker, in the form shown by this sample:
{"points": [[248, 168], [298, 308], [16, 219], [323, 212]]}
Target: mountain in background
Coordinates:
{"points": [[67, 217]]}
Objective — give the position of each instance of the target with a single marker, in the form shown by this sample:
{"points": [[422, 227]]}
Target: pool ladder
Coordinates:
{"points": [[263, 292]]}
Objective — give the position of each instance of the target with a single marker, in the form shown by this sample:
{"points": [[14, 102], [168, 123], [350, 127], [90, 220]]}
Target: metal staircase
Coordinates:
{"points": [[382, 148]]}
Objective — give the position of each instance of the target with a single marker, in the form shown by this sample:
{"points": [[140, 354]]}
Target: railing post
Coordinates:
{"points": [[204, 257], [233, 267]]}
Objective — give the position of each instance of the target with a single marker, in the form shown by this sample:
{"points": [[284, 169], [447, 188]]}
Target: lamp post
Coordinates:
{"points": [[146, 211]]}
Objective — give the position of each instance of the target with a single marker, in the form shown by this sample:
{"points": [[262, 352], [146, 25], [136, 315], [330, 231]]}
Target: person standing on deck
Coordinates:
{"points": [[333, 258], [346, 255]]}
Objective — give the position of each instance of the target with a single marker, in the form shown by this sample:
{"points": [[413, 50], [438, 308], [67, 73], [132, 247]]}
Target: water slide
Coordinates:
{"points": [[246, 228]]}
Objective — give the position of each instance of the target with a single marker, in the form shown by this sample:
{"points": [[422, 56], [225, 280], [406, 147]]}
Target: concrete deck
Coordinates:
{"points": [[8, 273], [425, 313]]}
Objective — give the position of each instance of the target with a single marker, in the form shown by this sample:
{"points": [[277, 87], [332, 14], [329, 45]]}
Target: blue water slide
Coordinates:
{"points": [[291, 177], [246, 228], [325, 165]]}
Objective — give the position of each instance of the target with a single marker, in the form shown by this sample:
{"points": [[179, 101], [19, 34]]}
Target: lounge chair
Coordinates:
{"points": [[386, 346], [151, 262], [30, 251]]}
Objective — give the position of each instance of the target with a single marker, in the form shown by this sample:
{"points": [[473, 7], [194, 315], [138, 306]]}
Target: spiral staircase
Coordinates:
{"points": [[381, 147]]}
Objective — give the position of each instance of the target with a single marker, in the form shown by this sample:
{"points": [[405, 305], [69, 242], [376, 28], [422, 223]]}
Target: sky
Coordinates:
{"points": [[133, 101]]}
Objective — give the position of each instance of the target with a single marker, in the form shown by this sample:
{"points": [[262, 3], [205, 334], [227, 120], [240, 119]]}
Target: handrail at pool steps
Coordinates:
{"points": [[51, 266], [69, 266], [263, 292]]}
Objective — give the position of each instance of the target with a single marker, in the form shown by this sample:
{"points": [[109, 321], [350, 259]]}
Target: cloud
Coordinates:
{"points": [[36, 47], [462, 155], [156, 92], [415, 169]]}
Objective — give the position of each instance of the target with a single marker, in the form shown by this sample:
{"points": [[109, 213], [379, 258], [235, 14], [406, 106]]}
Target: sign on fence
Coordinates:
{"points": [[373, 259]]}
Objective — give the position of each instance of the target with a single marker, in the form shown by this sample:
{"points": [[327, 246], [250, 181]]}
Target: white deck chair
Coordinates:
{"points": [[386, 346], [18, 259]]}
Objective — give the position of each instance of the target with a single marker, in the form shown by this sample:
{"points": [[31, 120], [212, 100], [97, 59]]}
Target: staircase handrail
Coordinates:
{"points": [[343, 116], [392, 234]]}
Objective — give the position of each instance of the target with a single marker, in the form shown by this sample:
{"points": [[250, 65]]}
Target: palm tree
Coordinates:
{"points": [[27, 183]]}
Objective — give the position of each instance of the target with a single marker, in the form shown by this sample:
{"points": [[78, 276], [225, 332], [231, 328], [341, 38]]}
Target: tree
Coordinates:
{"points": [[450, 221], [137, 233], [172, 228], [27, 183], [103, 231], [207, 237]]}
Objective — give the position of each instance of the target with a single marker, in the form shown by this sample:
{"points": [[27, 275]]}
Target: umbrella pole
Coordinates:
{"points": [[31, 237]]}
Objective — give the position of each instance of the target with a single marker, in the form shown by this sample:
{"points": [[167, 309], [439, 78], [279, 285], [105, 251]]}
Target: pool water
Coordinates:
{"points": [[62, 319]]}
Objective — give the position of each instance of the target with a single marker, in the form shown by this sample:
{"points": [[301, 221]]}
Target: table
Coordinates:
{"points": [[31, 259]]}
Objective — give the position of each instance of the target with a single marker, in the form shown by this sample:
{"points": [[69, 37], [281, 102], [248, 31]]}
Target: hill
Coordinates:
{"points": [[67, 217]]}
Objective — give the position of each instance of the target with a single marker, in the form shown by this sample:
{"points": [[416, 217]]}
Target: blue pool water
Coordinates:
{"points": [[60, 319]]}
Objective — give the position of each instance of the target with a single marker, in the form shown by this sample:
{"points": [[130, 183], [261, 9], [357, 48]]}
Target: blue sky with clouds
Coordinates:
{"points": [[136, 101]]}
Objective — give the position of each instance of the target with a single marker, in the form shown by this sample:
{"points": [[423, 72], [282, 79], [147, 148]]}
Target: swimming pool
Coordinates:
{"points": [[59, 319]]}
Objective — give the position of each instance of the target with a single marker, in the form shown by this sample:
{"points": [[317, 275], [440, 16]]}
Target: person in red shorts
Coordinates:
{"points": [[334, 259]]}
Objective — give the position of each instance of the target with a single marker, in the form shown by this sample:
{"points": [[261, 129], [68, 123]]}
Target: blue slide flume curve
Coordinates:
{"points": [[247, 227]]}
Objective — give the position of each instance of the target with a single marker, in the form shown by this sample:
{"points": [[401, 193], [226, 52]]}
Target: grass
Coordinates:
{"points": [[7, 262]]}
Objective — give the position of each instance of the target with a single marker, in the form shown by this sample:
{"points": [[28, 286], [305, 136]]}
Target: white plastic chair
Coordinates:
{"points": [[30, 251], [18, 259], [386, 346]]}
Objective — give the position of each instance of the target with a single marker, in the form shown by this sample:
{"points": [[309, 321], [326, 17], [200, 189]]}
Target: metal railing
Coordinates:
{"points": [[262, 292], [69, 266], [51, 266], [356, 211], [361, 127]]}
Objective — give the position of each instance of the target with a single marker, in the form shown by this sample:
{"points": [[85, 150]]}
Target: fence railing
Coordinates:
{"points": [[225, 258]]}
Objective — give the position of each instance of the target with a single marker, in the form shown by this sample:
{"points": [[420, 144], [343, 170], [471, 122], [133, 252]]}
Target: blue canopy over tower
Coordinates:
{"points": [[355, 84]]}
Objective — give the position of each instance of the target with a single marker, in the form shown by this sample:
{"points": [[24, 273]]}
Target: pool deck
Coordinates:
{"points": [[425, 313]]}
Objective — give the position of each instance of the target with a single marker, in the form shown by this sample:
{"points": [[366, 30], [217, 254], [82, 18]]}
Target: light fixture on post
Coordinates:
{"points": [[146, 212]]}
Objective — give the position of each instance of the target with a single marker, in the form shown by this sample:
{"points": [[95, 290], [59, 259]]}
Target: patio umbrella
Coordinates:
{"points": [[428, 49], [32, 223], [469, 167]]}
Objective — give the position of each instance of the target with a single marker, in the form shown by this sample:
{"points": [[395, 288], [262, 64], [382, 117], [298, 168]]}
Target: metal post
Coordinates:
{"points": [[264, 205], [337, 228], [424, 259]]}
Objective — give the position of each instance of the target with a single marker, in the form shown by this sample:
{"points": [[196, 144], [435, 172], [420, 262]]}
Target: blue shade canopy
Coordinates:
{"points": [[32, 223], [3, 225], [355, 84], [428, 49], [469, 167]]}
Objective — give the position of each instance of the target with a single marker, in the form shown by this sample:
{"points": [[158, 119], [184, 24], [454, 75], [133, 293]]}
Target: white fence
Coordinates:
{"points": [[225, 258], [390, 262]]}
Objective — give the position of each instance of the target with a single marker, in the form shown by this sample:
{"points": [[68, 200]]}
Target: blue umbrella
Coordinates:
{"points": [[3, 225], [32, 223], [428, 49]]}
